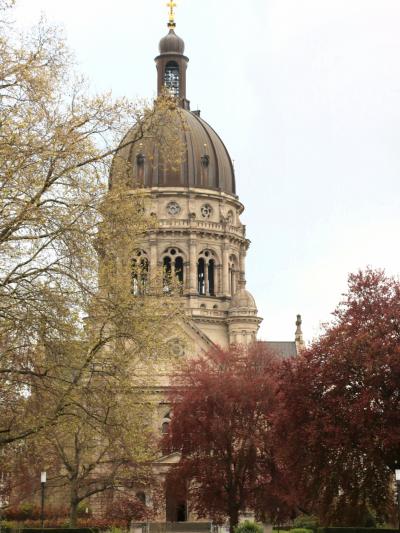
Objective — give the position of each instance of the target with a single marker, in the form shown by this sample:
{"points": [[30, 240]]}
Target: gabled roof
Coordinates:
{"points": [[282, 349]]}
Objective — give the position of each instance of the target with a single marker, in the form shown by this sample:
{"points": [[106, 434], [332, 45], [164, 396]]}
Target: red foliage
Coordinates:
{"points": [[340, 407], [223, 405], [23, 512], [126, 508], [101, 523]]}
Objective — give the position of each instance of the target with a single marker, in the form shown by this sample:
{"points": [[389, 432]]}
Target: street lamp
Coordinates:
{"points": [[397, 476], [43, 478]]}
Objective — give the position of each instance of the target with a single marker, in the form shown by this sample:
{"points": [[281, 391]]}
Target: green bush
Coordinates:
{"points": [[355, 530], [249, 527], [301, 530], [306, 521]]}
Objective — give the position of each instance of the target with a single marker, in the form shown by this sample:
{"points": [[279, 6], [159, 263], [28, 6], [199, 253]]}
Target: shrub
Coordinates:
{"points": [[306, 521], [355, 530], [84, 510], [61, 530], [249, 527], [301, 530], [29, 512]]}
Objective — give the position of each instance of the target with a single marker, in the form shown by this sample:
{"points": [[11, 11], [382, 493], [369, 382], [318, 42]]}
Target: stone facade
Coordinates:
{"points": [[201, 230]]}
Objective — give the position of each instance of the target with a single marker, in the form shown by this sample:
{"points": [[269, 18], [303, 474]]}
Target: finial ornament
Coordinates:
{"points": [[171, 22], [299, 334]]}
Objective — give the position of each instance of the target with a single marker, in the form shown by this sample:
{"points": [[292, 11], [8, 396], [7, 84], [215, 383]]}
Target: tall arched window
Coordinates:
{"points": [[139, 273], [171, 78], [200, 276], [211, 275], [206, 273], [173, 266], [179, 269]]}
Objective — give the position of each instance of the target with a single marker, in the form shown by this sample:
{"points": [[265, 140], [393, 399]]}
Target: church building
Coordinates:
{"points": [[199, 236]]}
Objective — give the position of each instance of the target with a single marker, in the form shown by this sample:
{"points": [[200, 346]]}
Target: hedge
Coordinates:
{"points": [[355, 530], [60, 530]]}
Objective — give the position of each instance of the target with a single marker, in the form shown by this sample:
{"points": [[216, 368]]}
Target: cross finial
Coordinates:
{"points": [[171, 22]]}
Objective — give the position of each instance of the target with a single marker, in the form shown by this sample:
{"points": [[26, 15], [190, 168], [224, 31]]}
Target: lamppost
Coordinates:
{"points": [[42, 486], [397, 476]]}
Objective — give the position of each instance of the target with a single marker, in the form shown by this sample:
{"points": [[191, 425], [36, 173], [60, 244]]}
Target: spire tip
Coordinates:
{"points": [[171, 21]]}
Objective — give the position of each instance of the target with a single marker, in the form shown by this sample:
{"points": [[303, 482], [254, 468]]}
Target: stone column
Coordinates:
{"points": [[193, 267], [206, 281], [186, 276], [225, 270], [153, 257]]}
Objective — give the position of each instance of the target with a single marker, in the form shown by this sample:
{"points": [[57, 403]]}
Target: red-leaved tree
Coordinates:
{"points": [[222, 406], [340, 407]]}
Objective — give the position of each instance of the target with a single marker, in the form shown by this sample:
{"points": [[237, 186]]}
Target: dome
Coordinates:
{"points": [[203, 160], [243, 299], [171, 44]]}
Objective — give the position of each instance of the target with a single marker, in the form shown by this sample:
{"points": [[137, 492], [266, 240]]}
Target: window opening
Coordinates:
{"points": [[139, 273], [141, 496], [200, 276], [173, 266], [211, 277], [207, 273], [179, 269], [171, 78]]}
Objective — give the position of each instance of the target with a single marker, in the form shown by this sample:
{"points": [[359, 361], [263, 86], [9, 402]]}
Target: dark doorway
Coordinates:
{"points": [[176, 507]]}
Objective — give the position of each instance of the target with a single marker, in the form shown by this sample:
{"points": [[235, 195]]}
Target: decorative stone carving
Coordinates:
{"points": [[177, 347], [173, 209], [206, 210]]}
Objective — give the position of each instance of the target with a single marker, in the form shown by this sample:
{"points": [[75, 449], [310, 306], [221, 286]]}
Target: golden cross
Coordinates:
{"points": [[171, 23]]}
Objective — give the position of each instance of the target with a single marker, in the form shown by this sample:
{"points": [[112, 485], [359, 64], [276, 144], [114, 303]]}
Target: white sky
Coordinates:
{"points": [[306, 96]]}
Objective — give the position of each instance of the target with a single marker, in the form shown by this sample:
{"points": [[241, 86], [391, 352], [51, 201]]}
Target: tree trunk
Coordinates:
{"points": [[233, 517], [74, 502]]}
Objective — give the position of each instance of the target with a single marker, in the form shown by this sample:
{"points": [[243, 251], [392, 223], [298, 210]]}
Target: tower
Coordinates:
{"points": [[199, 237]]}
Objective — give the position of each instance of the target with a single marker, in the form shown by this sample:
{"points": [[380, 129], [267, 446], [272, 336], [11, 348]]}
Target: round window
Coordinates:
{"points": [[206, 211], [173, 209]]}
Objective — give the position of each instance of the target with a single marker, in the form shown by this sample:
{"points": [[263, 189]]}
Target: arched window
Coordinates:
{"points": [[211, 274], [201, 276], [165, 423], [139, 273], [167, 272], [173, 266], [179, 269], [171, 78], [206, 273]]}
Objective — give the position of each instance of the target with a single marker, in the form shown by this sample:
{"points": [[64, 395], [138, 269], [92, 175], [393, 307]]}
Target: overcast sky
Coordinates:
{"points": [[306, 96]]}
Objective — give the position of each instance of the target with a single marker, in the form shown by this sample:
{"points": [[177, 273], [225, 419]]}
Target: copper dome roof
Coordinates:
{"points": [[204, 161], [171, 44]]}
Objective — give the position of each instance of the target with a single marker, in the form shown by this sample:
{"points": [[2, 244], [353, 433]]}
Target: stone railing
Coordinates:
{"points": [[205, 225], [215, 313]]}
